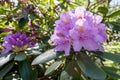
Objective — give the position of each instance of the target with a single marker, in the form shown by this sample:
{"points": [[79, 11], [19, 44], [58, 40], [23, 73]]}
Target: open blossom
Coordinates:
{"points": [[61, 34], [15, 42], [79, 29]]}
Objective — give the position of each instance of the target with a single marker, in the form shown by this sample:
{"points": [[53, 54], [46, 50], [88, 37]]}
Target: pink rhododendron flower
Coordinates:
{"points": [[79, 29], [16, 42]]}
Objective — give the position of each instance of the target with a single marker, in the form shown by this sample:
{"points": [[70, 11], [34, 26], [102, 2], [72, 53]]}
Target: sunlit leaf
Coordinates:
{"points": [[114, 14], [45, 57], [6, 58], [53, 67]]}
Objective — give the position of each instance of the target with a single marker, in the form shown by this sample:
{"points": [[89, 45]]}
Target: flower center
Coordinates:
{"points": [[61, 34], [80, 29], [80, 16], [95, 23], [65, 19], [18, 49]]}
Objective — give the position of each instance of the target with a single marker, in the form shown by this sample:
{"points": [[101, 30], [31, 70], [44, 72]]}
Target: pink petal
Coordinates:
{"points": [[99, 38], [77, 45], [67, 49], [79, 12], [63, 47], [90, 44]]}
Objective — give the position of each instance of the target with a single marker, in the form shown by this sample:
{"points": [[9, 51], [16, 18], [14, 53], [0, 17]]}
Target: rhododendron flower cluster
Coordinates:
{"points": [[79, 29], [15, 42]]}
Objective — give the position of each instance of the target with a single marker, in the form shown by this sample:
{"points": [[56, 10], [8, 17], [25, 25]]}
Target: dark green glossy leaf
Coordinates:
{"points": [[114, 14], [35, 73], [89, 68], [12, 77], [112, 72], [23, 21], [6, 69], [109, 1], [103, 10], [32, 17], [53, 67], [71, 72], [6, 58], [25, 70], [42, 46], [111, 56], [113, 25], [45, 57], [20, 56]]}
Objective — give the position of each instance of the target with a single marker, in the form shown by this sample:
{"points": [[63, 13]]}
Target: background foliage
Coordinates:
{"points": [[36, 18]]}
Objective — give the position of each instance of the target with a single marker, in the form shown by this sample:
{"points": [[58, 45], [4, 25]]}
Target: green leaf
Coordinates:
{"points": [[1, 7], [112, 72], [71, 72], [53, 67], [20, 57], [109, 1], [16, 9], [113, 25], [35, 52], [2, 11], [51, 3], [6, 58], [32, 17], [4, 34], [25, 70], [12, 77], [35, 73], [42, 46], [89, 68], [114, 14], [45, 57], [103, 10], [6, 69], [23, 21], [111, 56]]}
